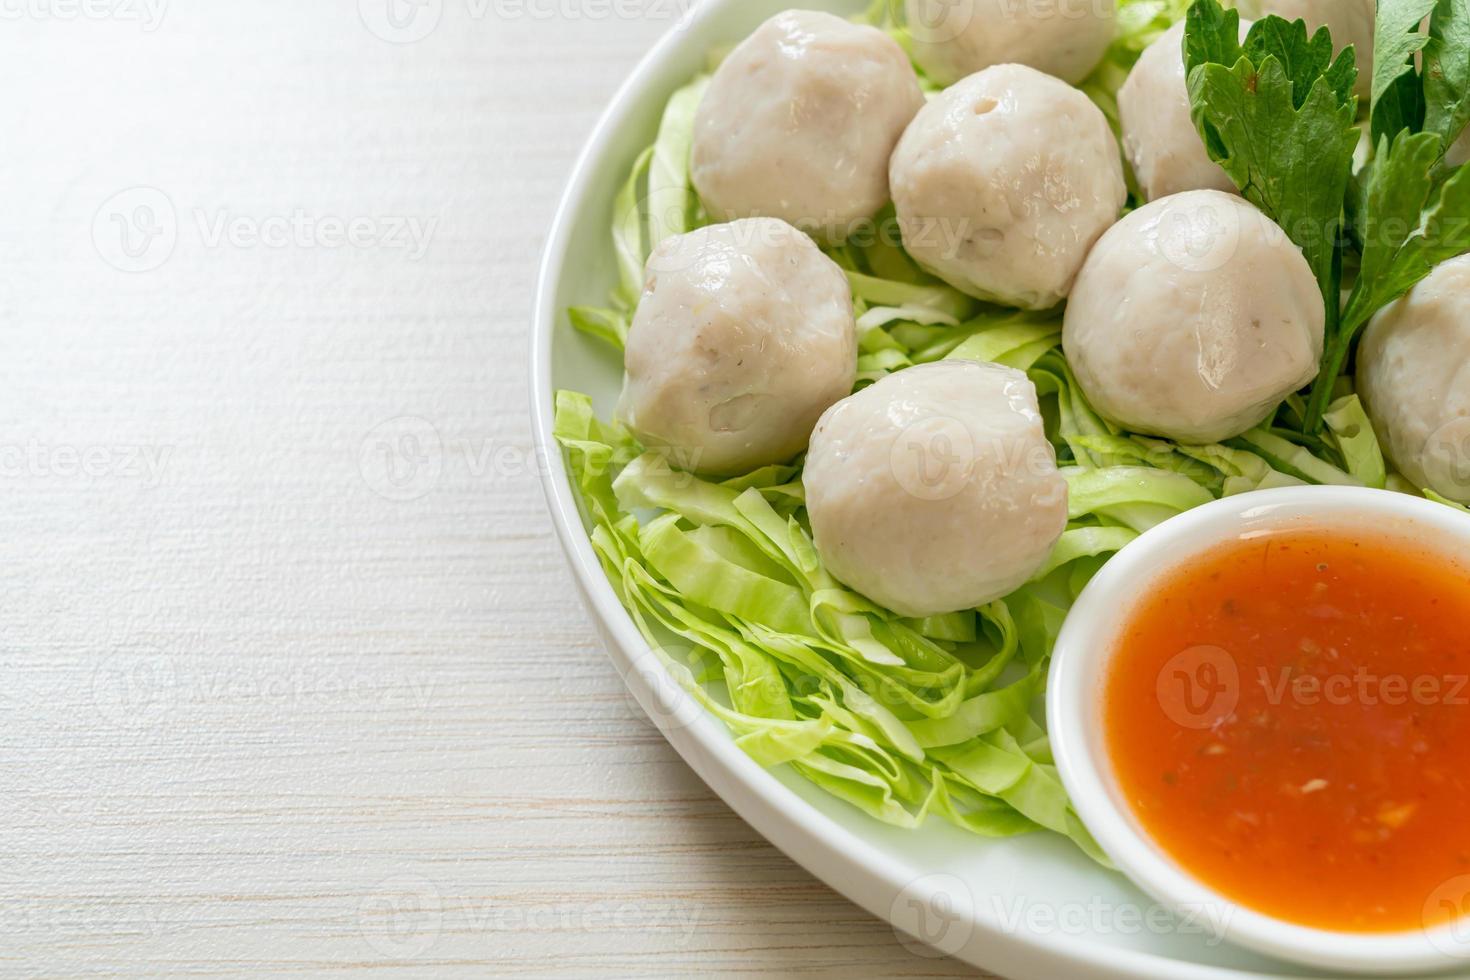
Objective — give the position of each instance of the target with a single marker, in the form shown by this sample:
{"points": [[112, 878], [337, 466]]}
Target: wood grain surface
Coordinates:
{"points": [[294, 678]]}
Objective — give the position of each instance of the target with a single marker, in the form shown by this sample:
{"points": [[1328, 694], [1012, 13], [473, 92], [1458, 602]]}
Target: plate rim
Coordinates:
{"points": [[821, 845]]}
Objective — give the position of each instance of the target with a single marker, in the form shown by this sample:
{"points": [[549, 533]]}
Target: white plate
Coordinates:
{"points": [[1030, 908]]}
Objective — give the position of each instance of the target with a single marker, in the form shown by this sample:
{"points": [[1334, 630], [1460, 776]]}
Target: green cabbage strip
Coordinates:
{"points": [[901, 718], [656, 201], [724, 581], [1446, 501], [1353, 436]]}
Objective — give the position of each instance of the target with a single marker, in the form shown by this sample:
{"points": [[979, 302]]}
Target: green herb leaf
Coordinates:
{"points": [[1211, 35], [1305, 59], [1398, 100], [1411, 221], [1447, 71], [1277, 114]]}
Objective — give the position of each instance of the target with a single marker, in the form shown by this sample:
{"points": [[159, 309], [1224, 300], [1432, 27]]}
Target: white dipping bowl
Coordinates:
{"points": [[1075, 711]]}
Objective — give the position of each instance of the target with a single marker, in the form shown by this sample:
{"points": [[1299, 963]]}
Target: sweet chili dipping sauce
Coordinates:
{"points": [[1289, 719]]}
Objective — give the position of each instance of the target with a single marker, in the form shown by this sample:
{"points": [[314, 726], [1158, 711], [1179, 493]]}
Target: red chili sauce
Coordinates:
{"points": [[1289, 719]]}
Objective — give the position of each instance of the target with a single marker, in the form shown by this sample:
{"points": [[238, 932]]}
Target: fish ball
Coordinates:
{"points": [[1003, 183], [936, 490], [1163, 146], [956, 38], [1194, 318], [743, 337], [1414, 377], [799, 121]]}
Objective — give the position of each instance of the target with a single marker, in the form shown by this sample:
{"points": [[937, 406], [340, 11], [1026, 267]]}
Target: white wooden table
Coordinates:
{"points": [[294, 680]]}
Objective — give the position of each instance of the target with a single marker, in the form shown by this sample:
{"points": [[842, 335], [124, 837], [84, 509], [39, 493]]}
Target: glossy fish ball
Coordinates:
{"points": [[744, 335], [1194, 317], [1459, 151], [956, 38], [935, 490], [1414, 377], [799, 121], [1350, 21], [1161, 141], [1003, 182]]}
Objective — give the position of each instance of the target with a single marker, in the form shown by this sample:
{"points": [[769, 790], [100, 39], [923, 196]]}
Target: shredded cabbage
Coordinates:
{"points": [[900, 718]]}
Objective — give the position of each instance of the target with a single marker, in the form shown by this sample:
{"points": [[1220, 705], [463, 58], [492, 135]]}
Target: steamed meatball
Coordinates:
{"points": [[1003, 183], [1159, 136], [1193, 319], [743, 337], [1414, 376], [935, 490], [799, 122], [956, 38], [1350, 21]]}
